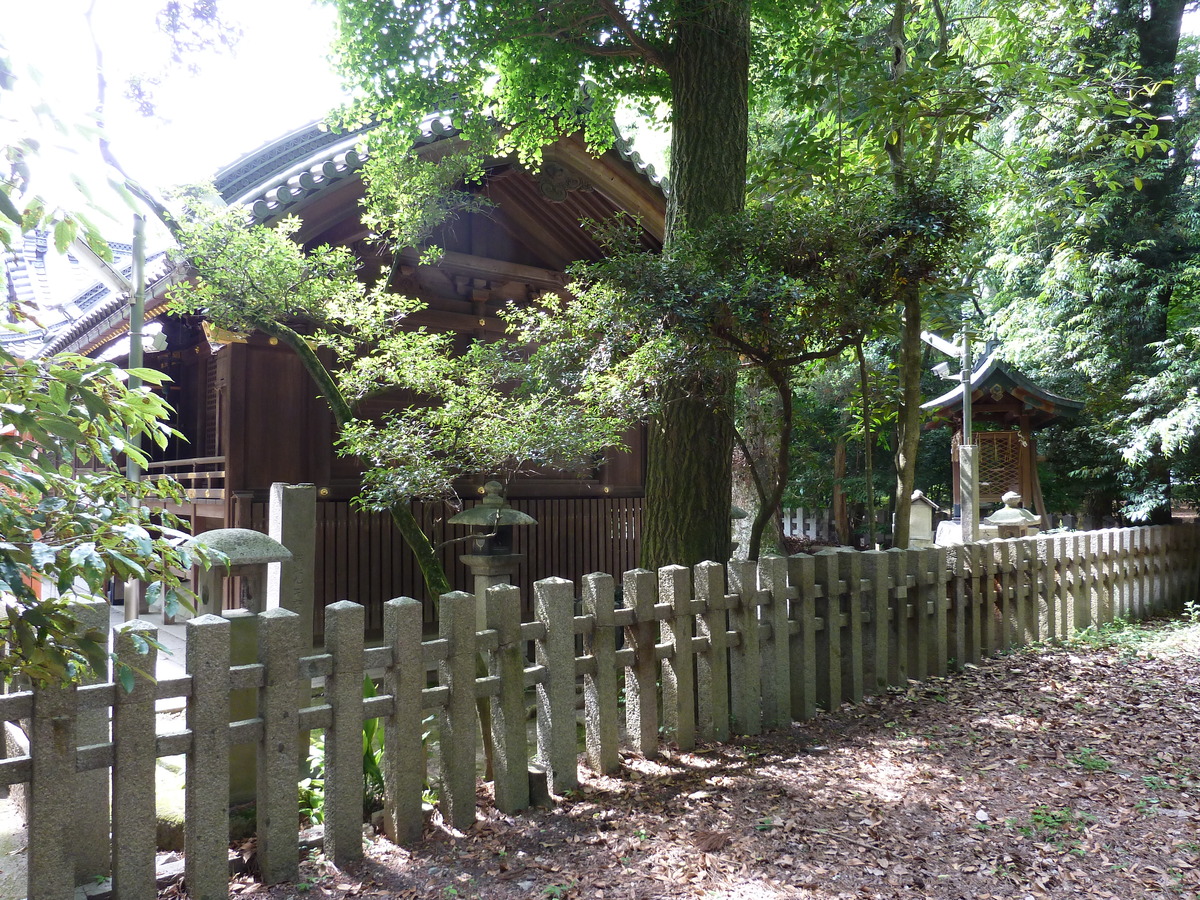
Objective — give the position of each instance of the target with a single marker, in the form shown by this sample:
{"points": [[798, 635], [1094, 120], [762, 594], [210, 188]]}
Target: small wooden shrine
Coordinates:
{"points": [[1006, 409]]}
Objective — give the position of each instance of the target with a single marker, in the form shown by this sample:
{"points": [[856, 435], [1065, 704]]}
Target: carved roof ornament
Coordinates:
{"points": [[555, 183]]}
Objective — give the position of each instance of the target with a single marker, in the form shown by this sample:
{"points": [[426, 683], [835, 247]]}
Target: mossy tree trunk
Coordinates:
{"points": [[690, 448]]}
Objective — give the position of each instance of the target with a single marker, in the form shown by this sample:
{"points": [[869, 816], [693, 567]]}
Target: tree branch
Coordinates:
{"points": [[648, 51]]}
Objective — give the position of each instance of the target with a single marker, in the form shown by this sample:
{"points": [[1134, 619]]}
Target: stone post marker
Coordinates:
{"points": [[249, 553], [292, 521]]}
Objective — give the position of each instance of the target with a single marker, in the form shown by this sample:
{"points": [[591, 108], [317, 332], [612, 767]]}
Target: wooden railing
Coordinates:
{"points": [[203, 477]]}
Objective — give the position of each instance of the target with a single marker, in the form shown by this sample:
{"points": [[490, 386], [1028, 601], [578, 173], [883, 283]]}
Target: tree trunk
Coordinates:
{"points": [[868, 445], [841, 514], [690, 447], [908, 422]]}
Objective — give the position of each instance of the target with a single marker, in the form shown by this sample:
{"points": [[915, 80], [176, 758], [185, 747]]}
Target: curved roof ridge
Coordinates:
{"points": [[991, 365]]}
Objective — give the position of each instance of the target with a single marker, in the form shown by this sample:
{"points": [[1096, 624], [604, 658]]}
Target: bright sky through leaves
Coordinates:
{"points": [[276, 80]]}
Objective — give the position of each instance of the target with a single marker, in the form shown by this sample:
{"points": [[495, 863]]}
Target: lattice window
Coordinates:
{"points": [[999, 463]]}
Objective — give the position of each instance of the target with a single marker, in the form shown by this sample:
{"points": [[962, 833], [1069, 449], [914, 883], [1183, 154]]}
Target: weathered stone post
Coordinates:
{"points": [[829, 640], [281, 641], [875, 632], [745, 665], [134, 761], [802, 573], [557, 745], [206, 807], [456, 671], [712, 666], [678, 680], [404, 753], [641, 687], [776, 650], [510, 745], [343, 738], [91, 848], [52, 794], [292, 521], [249, 553], [600, 709]]}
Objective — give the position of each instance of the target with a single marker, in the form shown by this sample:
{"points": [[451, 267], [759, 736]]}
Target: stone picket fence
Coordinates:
{"points": [[706, 653]]}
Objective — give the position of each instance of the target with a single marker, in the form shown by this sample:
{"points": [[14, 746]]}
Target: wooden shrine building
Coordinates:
{"points": [[250, 415], [1006, 409]]}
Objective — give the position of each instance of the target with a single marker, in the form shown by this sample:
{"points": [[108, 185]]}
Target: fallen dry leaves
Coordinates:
{"points": [[1061, 773]]}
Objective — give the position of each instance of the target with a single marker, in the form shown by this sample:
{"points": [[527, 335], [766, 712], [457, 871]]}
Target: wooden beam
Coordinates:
{"points": [[492, 269]]}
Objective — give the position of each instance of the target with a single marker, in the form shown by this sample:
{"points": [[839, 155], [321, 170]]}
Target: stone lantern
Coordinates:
{"points": [[1011, 520], [492, 560], [249, 553]]}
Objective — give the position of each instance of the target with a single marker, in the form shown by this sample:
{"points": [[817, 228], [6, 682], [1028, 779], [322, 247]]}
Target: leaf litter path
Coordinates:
{"points": [[1061, 772]]}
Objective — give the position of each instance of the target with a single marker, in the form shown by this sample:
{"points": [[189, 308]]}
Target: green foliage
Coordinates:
{"points": [[26, 137], [522, 64], [72, 531], [458, 411]]}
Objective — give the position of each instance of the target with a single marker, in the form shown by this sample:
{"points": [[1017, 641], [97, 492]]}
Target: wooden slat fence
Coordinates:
{"points": [[361, 556], [814, 524], [736, 649]]}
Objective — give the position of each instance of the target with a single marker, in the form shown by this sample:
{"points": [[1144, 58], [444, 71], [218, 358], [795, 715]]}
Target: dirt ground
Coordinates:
{"points": [[1059, 772]]}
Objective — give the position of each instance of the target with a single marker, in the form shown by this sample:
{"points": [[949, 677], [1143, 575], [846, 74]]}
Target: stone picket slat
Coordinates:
{"points": [[875, 629], [280, 644], [206, 811], [989, 609], [976, 597], [1089, 569], [554, 607], [1027, 589], [1108, 605], [1138, 561], [93, 820], [554, 650], [1006, 597], [1083, 604], [1128, 574], [403, 750], [829, 638], [898, 626], [745, 662], [510, 741], [918, 623], [1158, 583], [802, 573], [1043, 555], [53, 797], [1057, 624], [641, 679], [956, 605], [458, 721], [712, 666], [678, 674], [602, 728], [1141, 555], [776, 649], [1116, 564], [937, 571], [134, 826], [1190, 548], [850, 573], [343, 738]]}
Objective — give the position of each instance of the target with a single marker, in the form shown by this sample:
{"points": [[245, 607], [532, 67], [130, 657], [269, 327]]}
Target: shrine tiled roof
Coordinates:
{"points": [[62, 292], [282, 175], [279, 178], [996, 378]]}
